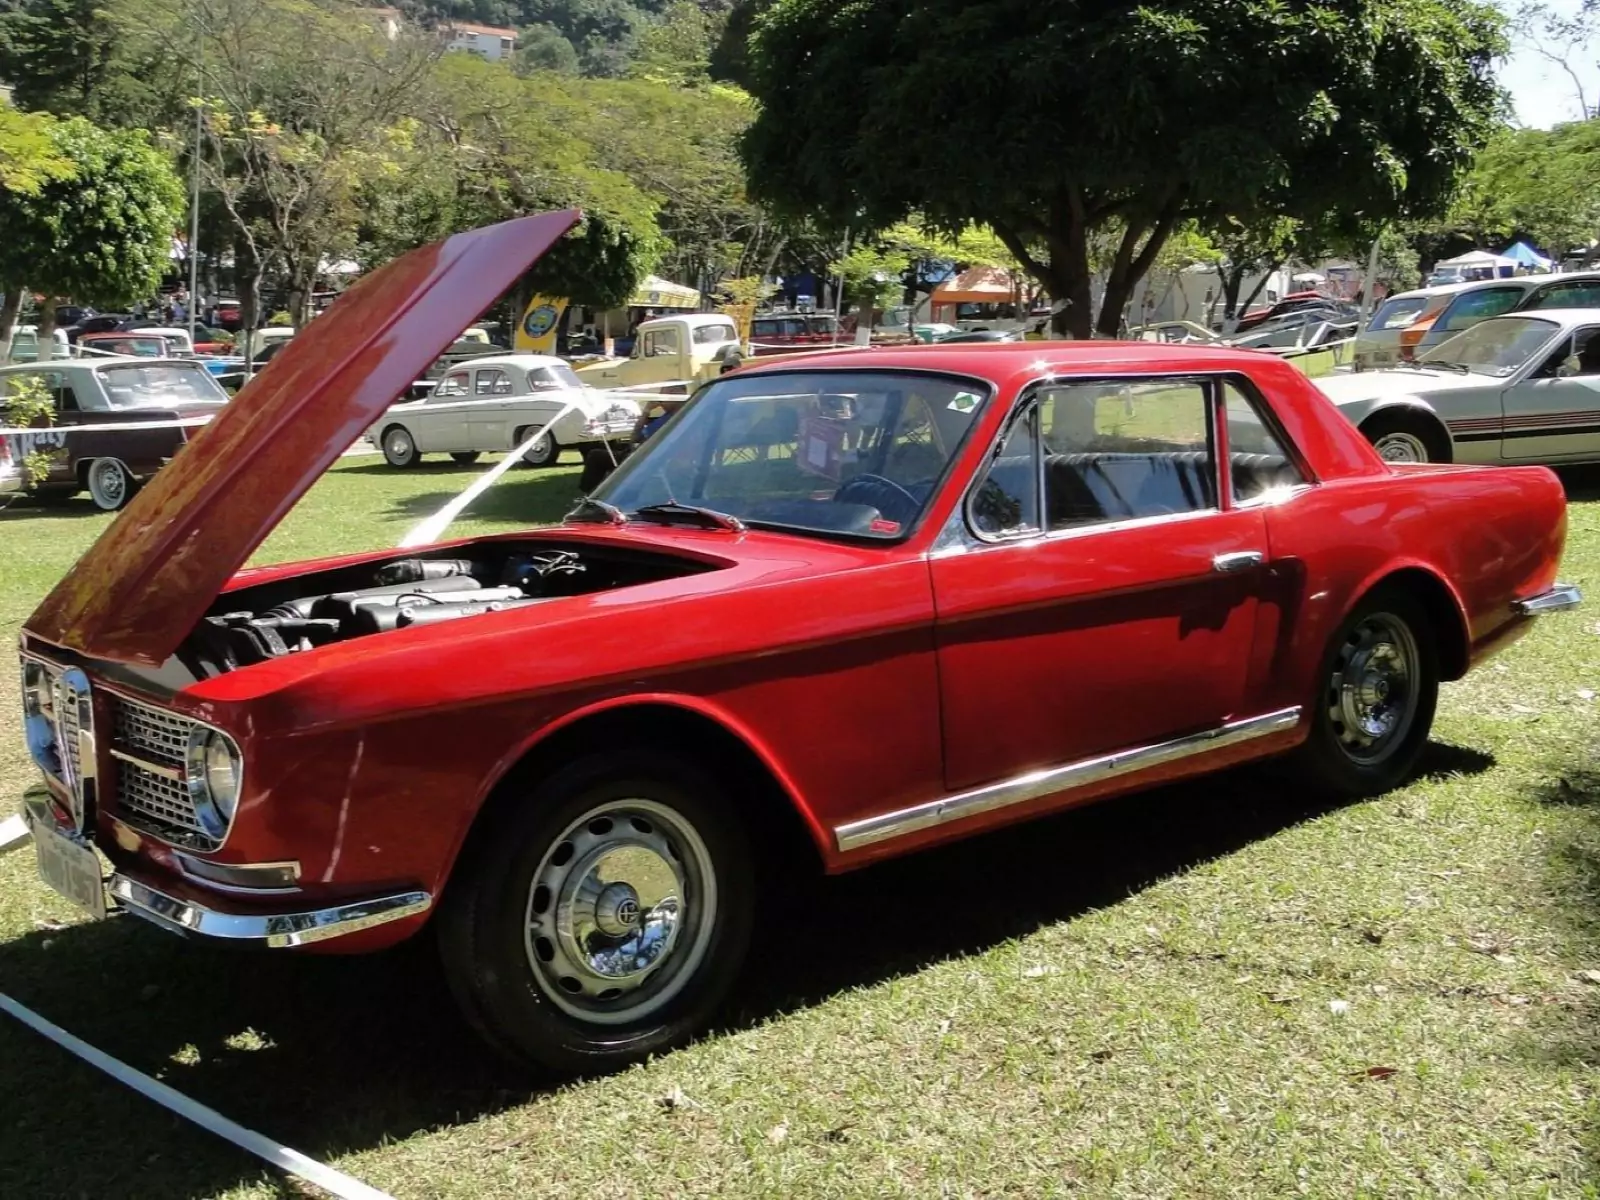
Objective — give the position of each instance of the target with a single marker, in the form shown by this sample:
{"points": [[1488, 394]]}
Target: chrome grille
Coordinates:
{"points": [[65, 698], [151, 800]]}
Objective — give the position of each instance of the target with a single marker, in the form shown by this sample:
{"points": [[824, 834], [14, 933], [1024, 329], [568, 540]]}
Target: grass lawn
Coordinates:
{"points": [[1212, 990]]}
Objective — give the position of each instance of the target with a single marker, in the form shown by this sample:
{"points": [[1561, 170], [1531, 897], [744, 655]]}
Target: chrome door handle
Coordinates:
{"points": [[1243, 560]]}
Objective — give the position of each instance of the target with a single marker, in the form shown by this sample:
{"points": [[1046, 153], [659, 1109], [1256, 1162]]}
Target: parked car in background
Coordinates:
{"points": [[177, 340], [252, 345], [1385, 340], [25, 344], [97, 323], [1155, 561], [1293, 302], [230, 373], [680, 351], [126, 345], [88, 392], [1520, 388], [493, 403], [1492, 297], [981, 335], [227, 314]]}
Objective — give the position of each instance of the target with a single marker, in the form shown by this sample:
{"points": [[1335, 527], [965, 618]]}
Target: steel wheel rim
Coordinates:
{"points": [[110, 483], [399, 444], [620, 912], [1401, 447], [540, 450], [1375, 689]]}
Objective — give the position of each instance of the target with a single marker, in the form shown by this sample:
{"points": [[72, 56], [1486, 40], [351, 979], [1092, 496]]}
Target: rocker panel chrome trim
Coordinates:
{"points": [[1037, 784]]}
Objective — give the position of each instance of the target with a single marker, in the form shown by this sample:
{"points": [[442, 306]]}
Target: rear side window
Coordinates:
{"points": [[1258, 460], [1398, 313], [711, 335], [1580, 293], [1472, 307]]}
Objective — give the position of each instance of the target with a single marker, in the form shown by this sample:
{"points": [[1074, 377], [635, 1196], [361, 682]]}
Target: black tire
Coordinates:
{"points": [[399, 447], [490, 929], [1331, 763], [111, 485], [465, 457], [1405, 437], [542, 453]]}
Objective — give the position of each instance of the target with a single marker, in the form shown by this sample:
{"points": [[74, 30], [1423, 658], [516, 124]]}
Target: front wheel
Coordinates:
{"points": [[603, 916], [543, 452], [1399, 438], [1378, 687], [399, 447], [111, 485]]}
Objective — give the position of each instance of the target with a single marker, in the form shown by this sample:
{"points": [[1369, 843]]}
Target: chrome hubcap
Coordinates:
{"points": [[1401, 447], [620, 912], [1372, 697], [399, 445], [110, 480]]}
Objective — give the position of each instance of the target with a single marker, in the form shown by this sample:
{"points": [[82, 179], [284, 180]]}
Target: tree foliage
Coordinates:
{"points": [[1543, 184], [1053, 123]]}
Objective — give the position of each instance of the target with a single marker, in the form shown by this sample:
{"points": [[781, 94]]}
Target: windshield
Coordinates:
{"points": [[857, 452], [553, 378], [1497, 346], [159, 387]]}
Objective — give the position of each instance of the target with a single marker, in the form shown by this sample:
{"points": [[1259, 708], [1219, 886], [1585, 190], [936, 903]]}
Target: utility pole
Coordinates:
{"points": [[194, 197]]}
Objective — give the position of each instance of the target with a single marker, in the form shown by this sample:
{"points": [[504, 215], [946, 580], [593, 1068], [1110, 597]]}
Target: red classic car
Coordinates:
{"points": [[857, 603]]}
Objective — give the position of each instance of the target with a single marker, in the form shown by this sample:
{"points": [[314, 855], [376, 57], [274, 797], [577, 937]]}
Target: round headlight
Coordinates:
{"points": [[213, 777], [222, 774]]}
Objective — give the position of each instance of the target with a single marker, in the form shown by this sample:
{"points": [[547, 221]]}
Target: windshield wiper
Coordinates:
{"points": [[672, 509], [590, 509], [1458, 368]]}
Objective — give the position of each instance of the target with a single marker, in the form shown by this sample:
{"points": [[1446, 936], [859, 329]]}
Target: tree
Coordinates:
{"points": [[100, 234], [1567, 40], [1053, 123], [1538, 183], [28, 156], [545, 48]]}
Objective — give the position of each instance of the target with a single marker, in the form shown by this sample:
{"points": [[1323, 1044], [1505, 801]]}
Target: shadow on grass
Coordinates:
{"points": [[21, 508], [334, 1055], [1581, 483], [518, 498]]}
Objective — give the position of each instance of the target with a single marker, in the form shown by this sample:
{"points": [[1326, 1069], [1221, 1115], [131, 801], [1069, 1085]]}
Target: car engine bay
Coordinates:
{"points": [[288, 616]]}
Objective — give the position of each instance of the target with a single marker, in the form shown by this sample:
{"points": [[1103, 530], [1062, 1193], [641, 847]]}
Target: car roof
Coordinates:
{"points": [[510, 360], [1005, 360]]}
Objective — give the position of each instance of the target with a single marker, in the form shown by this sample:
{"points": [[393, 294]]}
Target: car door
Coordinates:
{"points": [[439, 423], [489, 419], [1107, 599], [1553, 414]]}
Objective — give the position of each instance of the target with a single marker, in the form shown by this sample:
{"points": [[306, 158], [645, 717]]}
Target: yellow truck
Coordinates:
{"points": [[680, 351]]}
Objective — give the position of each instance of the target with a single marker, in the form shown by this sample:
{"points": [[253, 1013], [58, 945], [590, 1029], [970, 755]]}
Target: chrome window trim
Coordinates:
{"points": [[1025, 403], [1036, 785]]}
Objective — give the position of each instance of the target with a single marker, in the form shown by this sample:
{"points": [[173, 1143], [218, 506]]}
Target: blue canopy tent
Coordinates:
{"points": [[1526, 256]]}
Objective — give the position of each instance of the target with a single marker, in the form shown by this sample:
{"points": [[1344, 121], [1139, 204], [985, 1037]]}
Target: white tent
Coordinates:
{"points": [[1478, 258]]}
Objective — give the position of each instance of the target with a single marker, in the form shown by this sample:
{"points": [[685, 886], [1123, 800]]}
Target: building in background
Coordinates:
{"points": [[486, 41]]}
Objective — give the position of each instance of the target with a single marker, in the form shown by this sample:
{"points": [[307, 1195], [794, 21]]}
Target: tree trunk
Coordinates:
{"points": [[247, 272], [10, 306], [47, 328], [864, 322], [302, 280]]}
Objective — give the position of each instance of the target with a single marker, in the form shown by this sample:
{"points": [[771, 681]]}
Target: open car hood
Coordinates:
{"points": [[150, 577]]}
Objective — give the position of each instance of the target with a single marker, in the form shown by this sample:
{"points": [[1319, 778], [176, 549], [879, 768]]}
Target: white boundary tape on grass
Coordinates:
{"points": [[276, 1153]]}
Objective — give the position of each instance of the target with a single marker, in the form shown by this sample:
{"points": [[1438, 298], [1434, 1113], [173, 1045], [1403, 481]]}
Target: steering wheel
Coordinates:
{"points": [[876, 484]]}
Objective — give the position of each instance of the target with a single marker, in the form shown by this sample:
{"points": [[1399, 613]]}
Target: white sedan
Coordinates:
{"points": [[494, 403]]}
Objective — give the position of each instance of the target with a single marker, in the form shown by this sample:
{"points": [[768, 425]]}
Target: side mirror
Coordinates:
{"points": [[1569, 367]]}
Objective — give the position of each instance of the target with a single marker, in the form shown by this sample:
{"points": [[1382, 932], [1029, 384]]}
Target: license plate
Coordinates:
{"points": [[70, 869]]}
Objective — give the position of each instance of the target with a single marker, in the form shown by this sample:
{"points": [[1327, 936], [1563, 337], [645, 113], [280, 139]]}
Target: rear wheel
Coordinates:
{"points": [[111, 484], [602, 917], [399, 447], [1377, 692], [1402, 438]]}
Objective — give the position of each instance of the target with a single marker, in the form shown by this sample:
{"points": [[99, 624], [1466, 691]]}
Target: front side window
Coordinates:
{"points": [[454, 384], [1102, 451], [155, 386], [848, 452], [659, 343], [1470, 307]]}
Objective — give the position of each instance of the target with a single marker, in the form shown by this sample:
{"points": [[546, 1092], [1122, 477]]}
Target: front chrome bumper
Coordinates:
{"points": [[273, 930], [1556, 599]]}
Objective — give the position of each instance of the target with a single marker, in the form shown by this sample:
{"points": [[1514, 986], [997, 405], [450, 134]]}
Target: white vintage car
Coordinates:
{"points": [[1522, 388], [493, 403]]}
